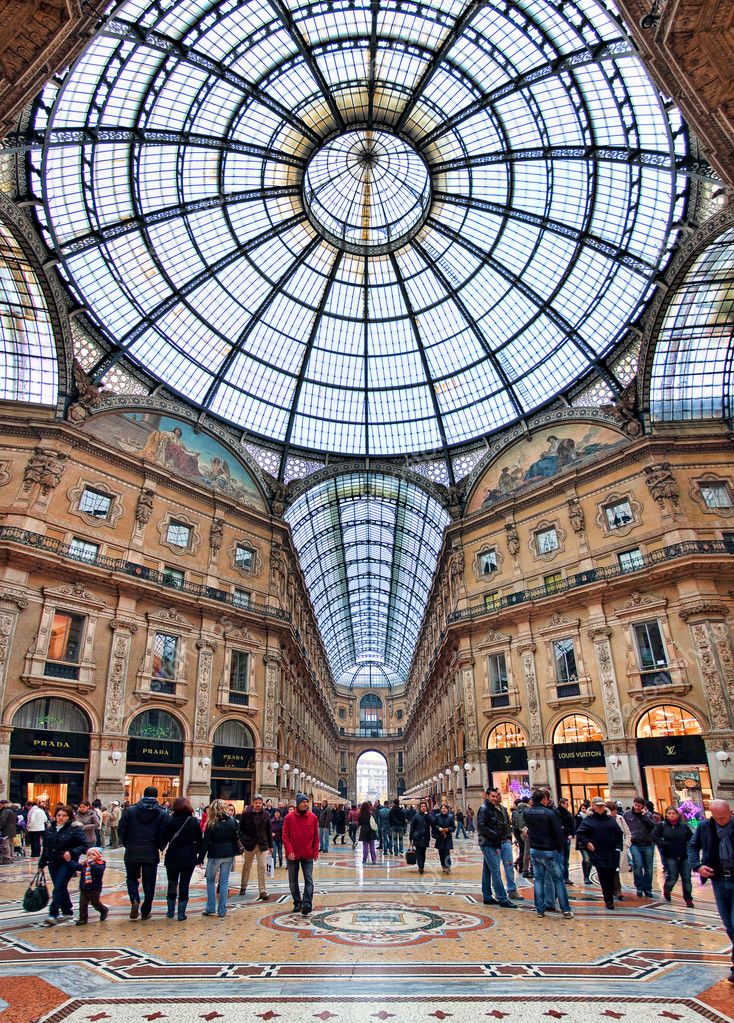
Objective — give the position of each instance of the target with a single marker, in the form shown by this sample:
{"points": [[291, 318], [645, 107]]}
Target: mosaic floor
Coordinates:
{"points": [[381, 944]]}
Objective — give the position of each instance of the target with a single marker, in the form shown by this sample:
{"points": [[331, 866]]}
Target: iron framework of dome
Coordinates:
{"points": [[361, 228]]}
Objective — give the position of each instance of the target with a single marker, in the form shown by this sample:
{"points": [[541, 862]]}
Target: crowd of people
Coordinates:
{"points": [[533, 839]]}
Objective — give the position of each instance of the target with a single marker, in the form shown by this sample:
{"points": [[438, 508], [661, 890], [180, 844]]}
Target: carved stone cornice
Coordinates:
{"points": [[119, 625], [7, 597], [705, 610], [526, 646], [599, 632], [640, 602]]}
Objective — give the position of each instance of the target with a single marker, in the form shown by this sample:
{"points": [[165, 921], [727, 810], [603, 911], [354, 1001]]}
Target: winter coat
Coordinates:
{"points": [[8, 822], [544, 828], [255, 830], [383, 817], [703, 848], [672, 839], [301, 835], [276, 828], [90, 876], [366, 834], [443, 821], [185, 848], [59, 840], [340, 822], [325, 815], [140, 830], [642, 827], [36, 819], [220, 841], [420, 830], [488, 826], [605, 835], [396, 818], [89, 821], [566, 821]]}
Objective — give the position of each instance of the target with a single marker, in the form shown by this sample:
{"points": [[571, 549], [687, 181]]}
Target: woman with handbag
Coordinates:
{"points": [[63, 844], [420, 835], [367, 831], [182, 834], [221, 843], [443, 828]]}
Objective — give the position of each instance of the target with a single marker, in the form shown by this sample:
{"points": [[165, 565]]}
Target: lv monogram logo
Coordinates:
{"points": [[670, 751]]}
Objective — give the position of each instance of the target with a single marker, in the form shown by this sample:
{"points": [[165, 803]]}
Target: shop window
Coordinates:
{"points": [[576, 728], [488, 562], [651, 654], [506, 735], [631, 561], [546, 541], [618, 514], [553, 582], [52, 714], [244, 557], [716, 495], [178, 534], [156, 724], [173, 577], [498, 683], [239, 677], [165, 653], [241, 598], [491, 601], [565, 663], [95, 503], [235, 734], [64, 646], [82, 550], [667, 720]]}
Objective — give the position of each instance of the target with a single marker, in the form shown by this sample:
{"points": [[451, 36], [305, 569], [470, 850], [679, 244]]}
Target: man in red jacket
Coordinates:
{"points": [[301, 841]]}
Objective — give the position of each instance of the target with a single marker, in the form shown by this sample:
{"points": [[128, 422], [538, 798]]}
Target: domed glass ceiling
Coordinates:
{"points": [[366, 228]]}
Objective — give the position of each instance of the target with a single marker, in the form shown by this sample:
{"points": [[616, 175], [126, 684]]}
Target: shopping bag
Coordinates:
{"points": [[410, 857], [36, 896], [271, 865]]}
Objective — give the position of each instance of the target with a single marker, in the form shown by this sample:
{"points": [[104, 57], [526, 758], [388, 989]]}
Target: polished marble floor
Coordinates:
{"points": [[381, 944]]}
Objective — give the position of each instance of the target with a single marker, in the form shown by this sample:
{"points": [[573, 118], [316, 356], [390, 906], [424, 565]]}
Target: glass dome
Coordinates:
{"points": [[362, 228]]}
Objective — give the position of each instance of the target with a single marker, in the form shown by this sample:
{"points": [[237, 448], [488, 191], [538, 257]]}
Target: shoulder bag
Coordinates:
{"points": [[36, 896]]}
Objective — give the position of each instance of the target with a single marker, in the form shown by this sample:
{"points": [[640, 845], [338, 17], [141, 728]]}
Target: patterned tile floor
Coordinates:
{"points": [[380, 944]]}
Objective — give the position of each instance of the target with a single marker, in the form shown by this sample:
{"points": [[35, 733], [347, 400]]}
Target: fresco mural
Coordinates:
{"points": [[548, 453], [174, 445]]}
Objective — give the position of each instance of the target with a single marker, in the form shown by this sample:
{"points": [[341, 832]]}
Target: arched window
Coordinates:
{"points": [[370, 715], [401, 786], [49, 713], [342, 787], [234, 733], [668, 719], [155, 724], [577, 728], [506, 735]]}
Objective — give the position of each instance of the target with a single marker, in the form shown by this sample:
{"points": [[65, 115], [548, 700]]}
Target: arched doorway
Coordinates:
{"points": [[371, 777], [49, 752], [233, 763], [673, 759], [578, 752], [154, 755]]}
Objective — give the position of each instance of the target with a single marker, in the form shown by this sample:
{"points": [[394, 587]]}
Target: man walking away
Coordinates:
{"points": [[115, 815], [140, 833], [544, 836], [397, 821], [383, 824], [257, 838], [301, 842], [711, 855], [325, 817]]}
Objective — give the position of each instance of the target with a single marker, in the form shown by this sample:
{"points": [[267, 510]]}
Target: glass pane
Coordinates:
{"points": [[239, 671], [165, 649], [95, 503], [66, 637], [178, 534]]}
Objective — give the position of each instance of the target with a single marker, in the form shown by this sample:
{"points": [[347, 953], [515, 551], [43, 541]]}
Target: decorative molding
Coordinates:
{"points": [[194, 535], [617, 497], [493, 638], [713, 683], [696, 496], [576, 515], [74, 495], [559, 622], [5, 475], [704, 609], [44, 469], [638, 602], [608, 682], [542, 527], [663, 486], [74, 595], [169, 617]]}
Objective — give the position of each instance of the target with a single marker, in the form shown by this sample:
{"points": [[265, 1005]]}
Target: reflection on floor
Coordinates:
{"points": [[381, 943]]}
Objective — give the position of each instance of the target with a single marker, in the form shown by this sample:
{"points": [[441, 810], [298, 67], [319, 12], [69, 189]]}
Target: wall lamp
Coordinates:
{"points": [[534, 765], [205, 761], [615, 761], [115, 756], [456, 768], [723, 756], [275, 765]]}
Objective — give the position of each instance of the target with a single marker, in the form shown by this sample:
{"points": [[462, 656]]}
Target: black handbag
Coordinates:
{"points": [[36, 896], [410, 857]]}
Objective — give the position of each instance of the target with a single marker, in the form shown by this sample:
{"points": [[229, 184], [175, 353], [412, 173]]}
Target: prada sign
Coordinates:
{"points": [[28, 742], [154, 751], [233, 757], [674, 749], [515, 758]]}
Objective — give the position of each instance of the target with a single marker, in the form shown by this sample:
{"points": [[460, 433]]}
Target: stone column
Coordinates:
{"points": [[706, 622], [5, 732], [526, 649], [202, 711], [273, 668], [10, 607], [599, 635], [623, 770]]}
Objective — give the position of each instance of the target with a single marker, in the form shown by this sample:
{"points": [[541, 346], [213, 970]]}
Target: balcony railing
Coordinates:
{"points": [[371, 733], [36, 541], [594, 575]]}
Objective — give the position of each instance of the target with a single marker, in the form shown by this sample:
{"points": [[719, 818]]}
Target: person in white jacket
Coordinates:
{"points": [[626, 839], [35, 825]]}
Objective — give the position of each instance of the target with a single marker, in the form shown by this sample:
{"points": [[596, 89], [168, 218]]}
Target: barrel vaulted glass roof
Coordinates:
{"points": [[358, 226], [368, 545]]}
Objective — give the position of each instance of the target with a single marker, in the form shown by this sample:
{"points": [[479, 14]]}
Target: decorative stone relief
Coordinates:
{"points": [[216, 536], [531, 685], [206, 650], [87, 395], [8, 618], [45, 469], [663, 486], [576, 515], [456, 570], [114, 710], [4, 471], [722, 643], [272, 680], [144, 509], [470, 707], [513, 540], [712, 681], [625, 410], [608, 681]]}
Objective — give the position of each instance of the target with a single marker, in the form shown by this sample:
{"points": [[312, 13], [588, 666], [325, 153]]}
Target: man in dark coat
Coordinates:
{"points": [[257, 838], [711, 855], [544, 833], [491, 828], [642, 828], [8, 830], [140, 833]]}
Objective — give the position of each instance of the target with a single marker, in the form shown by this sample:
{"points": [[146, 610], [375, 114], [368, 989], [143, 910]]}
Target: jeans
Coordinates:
{"points": [[278, 851], [323, 839], [678, 868], [507, 863], [353, 828], [149, 871], [460, 830], [642, 860], [724, 895], [60, 898], [179, 879], [546, 862], [420, 857], [223, 867], [368, 847], [386, 839], [307, 867], [397, 840], [566, 858], [492, 874]]}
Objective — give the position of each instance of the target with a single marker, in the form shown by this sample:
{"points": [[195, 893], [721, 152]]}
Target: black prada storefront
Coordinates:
{"points": [[49, 753], [233, 764], [155, 753]]}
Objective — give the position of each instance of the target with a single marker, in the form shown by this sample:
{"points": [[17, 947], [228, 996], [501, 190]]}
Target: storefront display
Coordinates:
{"points": [[233, 764], [578, 754], [154, 756], [49, 752]]}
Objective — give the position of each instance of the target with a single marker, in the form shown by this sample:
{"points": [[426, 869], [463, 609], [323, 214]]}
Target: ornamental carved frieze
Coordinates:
{"points": [[527, 651], [722, 643], [470, 709], [710, 677], [608, 681], [662, 485], [703, 609], [114, 710], [206, 650]]}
